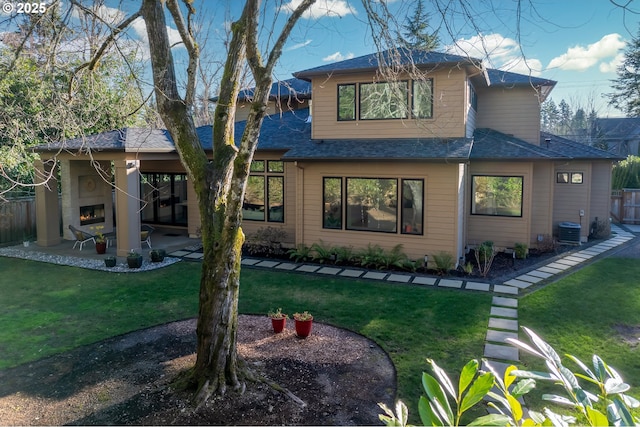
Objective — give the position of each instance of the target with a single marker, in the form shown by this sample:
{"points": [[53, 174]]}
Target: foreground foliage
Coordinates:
{"points": [[602, 402]]}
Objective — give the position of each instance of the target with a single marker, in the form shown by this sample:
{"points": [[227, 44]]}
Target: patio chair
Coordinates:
{"points": [[81, 237], [145, 234]]}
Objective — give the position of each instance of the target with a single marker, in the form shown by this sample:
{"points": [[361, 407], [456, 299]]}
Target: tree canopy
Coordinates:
{"points": [[626, 95]]}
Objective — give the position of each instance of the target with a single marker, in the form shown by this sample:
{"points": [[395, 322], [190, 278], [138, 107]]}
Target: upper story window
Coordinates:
{"points": [[347, 102], [473, 98], [385, 100]]}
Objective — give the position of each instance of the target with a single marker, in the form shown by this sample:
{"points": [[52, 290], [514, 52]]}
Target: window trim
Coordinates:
{"points": [[402, 221], [264, 173], [472, 204], [355, 98]]}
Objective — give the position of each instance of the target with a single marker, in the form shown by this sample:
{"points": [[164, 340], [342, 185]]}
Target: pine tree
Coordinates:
{"points": [[417, 34], [627, 86]]}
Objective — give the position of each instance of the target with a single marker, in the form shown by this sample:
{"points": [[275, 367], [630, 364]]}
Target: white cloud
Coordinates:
{"points": [[334, 57], [299, 45], [497, 51], [322, 8], [581, 58], [612, 66]]}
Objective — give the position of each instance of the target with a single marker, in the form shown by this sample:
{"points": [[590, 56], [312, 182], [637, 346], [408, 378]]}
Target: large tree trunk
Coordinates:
{"points": [[219, 184]]}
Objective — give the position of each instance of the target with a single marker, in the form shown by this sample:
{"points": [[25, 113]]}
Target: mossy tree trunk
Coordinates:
{"points": [[220, 183]]}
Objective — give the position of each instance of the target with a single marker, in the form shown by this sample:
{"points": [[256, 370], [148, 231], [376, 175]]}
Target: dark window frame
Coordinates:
{"points": [[263, 170], [355, 97], [472, 204]]}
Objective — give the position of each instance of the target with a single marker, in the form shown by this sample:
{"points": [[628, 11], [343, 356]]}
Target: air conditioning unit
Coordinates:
{"points": [[569, 232]]}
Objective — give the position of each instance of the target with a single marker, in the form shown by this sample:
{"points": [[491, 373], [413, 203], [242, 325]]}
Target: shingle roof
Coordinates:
{"points": [[371, 62], [126, 139], [573, 149], [489, 144], [506, 78], [618, 127]]}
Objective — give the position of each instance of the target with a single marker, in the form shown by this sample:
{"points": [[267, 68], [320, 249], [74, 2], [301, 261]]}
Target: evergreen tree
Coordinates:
{"points": [[550, 116], [417, 34], [627, 86], [564, 124]]}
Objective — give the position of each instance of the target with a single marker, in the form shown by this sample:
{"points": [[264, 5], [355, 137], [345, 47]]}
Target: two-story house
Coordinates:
{"points": [[440, 155]]}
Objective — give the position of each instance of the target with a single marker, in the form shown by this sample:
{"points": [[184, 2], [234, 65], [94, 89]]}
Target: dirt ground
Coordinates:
{"points": [[336, 377]]}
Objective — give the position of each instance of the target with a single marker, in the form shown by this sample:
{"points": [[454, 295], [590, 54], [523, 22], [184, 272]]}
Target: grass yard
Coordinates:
{"points": [[582, 315], [47, 309]]}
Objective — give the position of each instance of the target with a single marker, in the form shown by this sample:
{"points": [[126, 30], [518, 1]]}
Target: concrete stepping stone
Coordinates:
{"points": [[308, 268], [329, 270], [518, 283], [540, 274], [477, 286], [500, 323], [287, 266], [351, 273], [551, 270], [505, 289], [574, 258], [179, 253], [568, 262], [448, 283], [419, 280], [374, 275], [558, 266], [194, 255], [504, 312], [528, 278], [499, 367], [505, 302], [503, 352], [249, 261], [500, 336], [401, 278], [267, 264]]}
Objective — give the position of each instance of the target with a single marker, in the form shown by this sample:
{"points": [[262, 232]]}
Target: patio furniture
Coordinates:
{"points": [[145, 234], [81, 237]]}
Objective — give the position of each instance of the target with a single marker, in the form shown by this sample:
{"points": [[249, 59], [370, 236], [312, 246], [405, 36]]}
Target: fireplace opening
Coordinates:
{"points": [[91, 214]]}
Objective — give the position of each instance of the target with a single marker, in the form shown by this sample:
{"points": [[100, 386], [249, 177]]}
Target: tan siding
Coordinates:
{"points": [[502, 231], [511, 111], [569, 199], [600, 191], [542, 206], [441, 204], [448, 121]]}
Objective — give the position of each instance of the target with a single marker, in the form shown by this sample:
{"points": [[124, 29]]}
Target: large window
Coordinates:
{"points": [[422, 92], [264, 185], [386, 100], [346, 102], [497, 195], [371, 204]]}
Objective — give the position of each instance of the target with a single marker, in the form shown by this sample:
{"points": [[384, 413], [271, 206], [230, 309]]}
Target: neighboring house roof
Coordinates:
{"points": [[281, 89], [402, 57], [618, 128]]}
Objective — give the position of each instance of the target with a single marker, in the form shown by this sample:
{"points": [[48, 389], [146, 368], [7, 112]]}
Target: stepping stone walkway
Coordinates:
{"points": [[503, 320]]}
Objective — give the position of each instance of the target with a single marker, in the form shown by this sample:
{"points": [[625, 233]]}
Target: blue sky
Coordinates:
{"points": [[578, 43]]}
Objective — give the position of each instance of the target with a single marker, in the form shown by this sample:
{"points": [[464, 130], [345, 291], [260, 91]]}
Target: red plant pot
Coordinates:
{"points": [[101, 247], [278, 324], [303, 328]]}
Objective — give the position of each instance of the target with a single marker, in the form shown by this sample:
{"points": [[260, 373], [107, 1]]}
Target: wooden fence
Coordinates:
{"points": [[625, 205], [17, 220]]}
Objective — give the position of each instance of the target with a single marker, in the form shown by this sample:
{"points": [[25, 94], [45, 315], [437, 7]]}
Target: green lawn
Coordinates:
{"points": [[579, 315], [47, 309]]}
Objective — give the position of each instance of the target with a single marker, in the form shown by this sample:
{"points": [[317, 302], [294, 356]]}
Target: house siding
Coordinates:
{"points": [[569, 199], [600, 206], [441, 225], [448, 120], [542, 197], [504, 232], [514, 111]]}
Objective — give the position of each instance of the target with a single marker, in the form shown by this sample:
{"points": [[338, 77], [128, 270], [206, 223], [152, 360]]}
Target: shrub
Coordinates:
{"points": [[521, 250], [626, 174], [322, 253], [485, 253], [444, 262], [600, 229], [371, 256], [547, 244], [301, 252], [344, 254], [266, 241]]}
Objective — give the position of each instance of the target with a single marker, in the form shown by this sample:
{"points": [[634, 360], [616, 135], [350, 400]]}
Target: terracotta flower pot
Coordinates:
{"points": [[278, 324], [303, 328], [101, 247]]}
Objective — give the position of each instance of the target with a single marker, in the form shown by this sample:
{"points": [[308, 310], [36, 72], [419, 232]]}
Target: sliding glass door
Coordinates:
{"points": [[164, 198]]}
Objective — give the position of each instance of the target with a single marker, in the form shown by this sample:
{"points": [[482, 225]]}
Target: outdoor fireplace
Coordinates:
{"points": [[91, 214]]}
